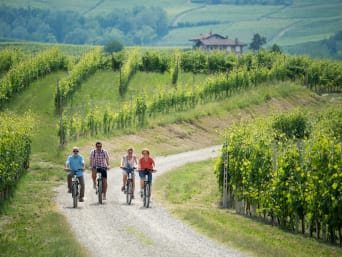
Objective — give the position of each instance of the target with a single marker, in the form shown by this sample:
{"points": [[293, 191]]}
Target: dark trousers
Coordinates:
{"points": [[81, 179]]}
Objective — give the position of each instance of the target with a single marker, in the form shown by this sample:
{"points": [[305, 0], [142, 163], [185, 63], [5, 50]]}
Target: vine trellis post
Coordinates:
{"points": [[225, 174]]}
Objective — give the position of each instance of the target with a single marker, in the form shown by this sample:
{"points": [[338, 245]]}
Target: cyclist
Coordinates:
{"points": [[75, 163], [99, 158], [128, 163], [146, 165]]}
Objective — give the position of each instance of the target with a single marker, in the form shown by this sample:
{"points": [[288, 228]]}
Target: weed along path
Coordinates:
{"points": [[117, 229]]}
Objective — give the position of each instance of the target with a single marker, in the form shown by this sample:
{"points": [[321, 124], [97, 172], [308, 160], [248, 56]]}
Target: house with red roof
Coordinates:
{"points": [[211, 42]]}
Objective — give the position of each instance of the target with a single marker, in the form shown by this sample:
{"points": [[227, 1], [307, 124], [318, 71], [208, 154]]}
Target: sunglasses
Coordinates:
{"points": [[75, 151]]}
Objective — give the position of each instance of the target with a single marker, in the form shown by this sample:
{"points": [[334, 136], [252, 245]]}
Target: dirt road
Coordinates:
{"points": [[117, 229]]}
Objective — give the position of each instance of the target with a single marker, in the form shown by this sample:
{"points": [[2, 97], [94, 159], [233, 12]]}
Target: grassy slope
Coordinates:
{"points": [[31, 221], [191, 193], [39, 99]]}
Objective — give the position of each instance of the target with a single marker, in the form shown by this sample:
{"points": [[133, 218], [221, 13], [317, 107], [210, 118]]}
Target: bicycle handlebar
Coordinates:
{"points": [[148, 170]]}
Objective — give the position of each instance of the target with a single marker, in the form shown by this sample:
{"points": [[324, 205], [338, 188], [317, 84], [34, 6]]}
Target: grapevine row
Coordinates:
{"points": [[88, 65], [287, 180], [15, 142], [23, 73], [127, 70], [8, 58]]}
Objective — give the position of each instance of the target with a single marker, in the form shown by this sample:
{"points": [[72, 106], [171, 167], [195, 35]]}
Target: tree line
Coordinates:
{"points": [[137, 26]]}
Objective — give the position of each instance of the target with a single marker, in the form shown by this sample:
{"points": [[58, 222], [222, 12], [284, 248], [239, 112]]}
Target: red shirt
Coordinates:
{"points": [[146, 164]]}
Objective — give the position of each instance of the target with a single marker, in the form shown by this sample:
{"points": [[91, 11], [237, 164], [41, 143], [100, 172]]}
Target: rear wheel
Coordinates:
{"points": [[129, 191], [100, 187], [74, 194], [147, 195]]}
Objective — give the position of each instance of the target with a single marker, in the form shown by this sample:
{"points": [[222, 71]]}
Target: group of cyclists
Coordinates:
{"points": [[99, 157]]}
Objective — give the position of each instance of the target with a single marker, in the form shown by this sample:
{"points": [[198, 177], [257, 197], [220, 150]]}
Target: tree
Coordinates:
{"points": [[275, 49], [257, 42], [113, 46]]}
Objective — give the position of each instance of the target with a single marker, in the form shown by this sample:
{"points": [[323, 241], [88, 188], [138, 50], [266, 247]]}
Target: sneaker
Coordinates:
{"points": [[81, 200], [123, 188]]}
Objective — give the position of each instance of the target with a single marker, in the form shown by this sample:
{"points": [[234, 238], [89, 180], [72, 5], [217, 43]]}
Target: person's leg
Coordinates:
{"points": [[141, 175], [133, 178], [69, 179], [81, 179], [93, 176], [104, 187], [124, 180], [150, 180]]}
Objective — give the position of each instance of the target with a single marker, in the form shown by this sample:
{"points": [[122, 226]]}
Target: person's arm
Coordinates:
{"points": [[91, 159], [82, 164], [122, 162], [107, 160], [66, 165], [153, 164], [135, 162]]}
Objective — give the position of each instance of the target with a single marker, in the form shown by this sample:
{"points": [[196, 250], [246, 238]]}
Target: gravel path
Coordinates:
{"points": [[117, 229]]}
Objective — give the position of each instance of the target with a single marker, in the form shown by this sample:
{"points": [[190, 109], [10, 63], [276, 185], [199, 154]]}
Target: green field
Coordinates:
{"points": [[298, 23]]}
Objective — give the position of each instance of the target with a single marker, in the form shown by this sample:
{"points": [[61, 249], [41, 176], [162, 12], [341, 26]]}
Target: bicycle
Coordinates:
{"points": [[147, 189], [75, 191], [99, 182], [129, 184]]}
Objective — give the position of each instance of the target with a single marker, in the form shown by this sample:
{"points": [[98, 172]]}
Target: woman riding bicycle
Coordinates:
{"points": [[146, 167], [128, 164]]}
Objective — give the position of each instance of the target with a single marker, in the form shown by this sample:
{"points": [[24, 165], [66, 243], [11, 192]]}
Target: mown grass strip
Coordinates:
{"points": [[30, 225], [191, 194]]}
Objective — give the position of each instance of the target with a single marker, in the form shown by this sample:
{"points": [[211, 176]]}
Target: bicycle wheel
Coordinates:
{"points": [[129, 191], [100, 190], [74, 194], [147, 195]]}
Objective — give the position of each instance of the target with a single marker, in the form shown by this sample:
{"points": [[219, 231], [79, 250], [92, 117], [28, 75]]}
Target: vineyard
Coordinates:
{"points": [[225, 75], [15, 141], [287, 170], [284, 170]]}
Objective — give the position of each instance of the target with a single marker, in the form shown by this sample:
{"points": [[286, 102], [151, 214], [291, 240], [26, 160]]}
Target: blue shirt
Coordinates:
{"points": [[75, 163]]}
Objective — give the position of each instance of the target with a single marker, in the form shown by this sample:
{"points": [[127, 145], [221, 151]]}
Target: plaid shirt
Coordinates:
{"points": [[99, 159]]}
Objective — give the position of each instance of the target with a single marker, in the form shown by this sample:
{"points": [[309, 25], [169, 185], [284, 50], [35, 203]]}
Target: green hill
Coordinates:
{"points": [[288, 23]]}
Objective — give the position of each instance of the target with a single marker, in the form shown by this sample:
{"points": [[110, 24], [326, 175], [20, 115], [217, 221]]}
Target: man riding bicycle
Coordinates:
{"points": [[99, 158], [145, 167], [128, 163], [75, 164]]}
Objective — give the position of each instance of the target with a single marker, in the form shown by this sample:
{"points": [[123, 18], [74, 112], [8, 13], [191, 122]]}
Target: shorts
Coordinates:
{"points": [[143, 173], [101, 170], [127, 170]]}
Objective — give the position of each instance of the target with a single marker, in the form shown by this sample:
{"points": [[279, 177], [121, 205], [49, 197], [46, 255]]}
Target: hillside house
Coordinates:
{"points": [[211, 42]]}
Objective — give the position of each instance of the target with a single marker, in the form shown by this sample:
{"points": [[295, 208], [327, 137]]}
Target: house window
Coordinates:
{"points": [[238, 49], [229, 49]]}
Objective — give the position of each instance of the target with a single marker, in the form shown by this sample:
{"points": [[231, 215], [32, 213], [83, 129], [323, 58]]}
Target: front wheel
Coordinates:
{"points": [[129, 191], [100, 190], [74, 194], [147, 195]]}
